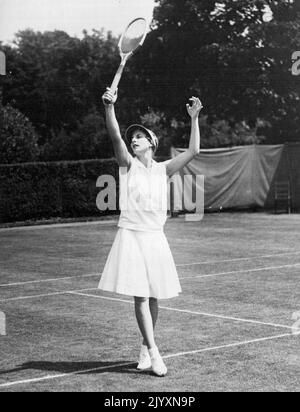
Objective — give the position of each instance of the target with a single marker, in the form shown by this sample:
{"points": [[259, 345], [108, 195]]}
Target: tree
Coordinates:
{"points": [[89, 141], [56, 79], [228, 54], [224, 51], [281, 105], [18, 140]]}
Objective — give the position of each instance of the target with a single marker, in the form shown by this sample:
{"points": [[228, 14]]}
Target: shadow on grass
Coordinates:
{"points": [[78, 367]]}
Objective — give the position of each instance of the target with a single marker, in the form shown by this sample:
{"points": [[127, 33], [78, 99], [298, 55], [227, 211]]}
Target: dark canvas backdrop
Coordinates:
{"points": [[244, 177]]}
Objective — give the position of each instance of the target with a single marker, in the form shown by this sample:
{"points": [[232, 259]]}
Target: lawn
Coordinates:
{"points": [[232, 328]]}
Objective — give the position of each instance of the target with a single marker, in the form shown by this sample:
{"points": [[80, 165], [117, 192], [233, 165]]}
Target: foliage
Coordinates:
{"points": [[56, 79], [18, 140], [227, 52], [46, 190], [89, 141]]}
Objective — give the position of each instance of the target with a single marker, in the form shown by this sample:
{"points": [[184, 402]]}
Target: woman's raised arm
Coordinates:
{"points": [[183, 159], [122, 154]]}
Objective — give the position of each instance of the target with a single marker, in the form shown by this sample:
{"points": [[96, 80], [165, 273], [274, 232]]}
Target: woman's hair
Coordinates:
{"points": [[154, 149]]}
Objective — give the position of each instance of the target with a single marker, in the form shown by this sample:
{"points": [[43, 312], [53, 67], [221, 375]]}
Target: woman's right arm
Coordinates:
{"points": [[123, 157]]}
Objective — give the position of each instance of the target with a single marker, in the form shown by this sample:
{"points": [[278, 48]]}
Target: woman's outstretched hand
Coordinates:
{"points": [[195, 108], [109, 98]]}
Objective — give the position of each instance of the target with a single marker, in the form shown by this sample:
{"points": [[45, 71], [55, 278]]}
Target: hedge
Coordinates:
{"points": [[54, 189]]}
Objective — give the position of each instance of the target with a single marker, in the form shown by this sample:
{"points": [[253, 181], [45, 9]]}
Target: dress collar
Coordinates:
{"points": [[141, 165]]}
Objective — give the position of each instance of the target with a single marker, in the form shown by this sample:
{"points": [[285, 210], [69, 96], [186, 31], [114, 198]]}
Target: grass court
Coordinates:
{"points": [[232, 329]]}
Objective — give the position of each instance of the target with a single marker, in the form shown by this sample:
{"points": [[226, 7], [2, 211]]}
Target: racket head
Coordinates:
{"points": [[134, 36]]}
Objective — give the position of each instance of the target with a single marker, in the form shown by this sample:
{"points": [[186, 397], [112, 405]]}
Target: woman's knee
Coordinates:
{"points": [[140, 301]]}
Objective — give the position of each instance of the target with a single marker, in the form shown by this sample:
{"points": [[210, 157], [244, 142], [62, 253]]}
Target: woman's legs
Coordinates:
{"points": [[143, 312], [153, 304], [154, 310], [146, 313]]}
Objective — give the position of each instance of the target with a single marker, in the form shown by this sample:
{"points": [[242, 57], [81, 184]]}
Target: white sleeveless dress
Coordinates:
{"points": [[140, 262]]}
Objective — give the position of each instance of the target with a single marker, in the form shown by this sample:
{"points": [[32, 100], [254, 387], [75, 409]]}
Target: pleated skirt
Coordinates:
{"points": [[141, 264]]}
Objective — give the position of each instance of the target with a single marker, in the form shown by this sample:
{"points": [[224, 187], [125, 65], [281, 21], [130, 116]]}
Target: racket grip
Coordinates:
{"points": [[117, 78]]}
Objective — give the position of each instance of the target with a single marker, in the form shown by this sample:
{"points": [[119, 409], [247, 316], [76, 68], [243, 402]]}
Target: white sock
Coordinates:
{"points": [[158, 365], [154, 352], [144, 348], [144, 361]]}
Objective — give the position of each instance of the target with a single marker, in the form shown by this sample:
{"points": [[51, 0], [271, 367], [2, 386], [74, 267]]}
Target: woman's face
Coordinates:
{"points": [[139, 142]]}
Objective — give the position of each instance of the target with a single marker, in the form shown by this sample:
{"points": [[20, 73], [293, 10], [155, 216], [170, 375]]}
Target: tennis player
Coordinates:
{"points": [[140, 263]]}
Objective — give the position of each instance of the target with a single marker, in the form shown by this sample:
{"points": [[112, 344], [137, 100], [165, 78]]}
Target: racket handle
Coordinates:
{"points": [[117, 78], [116, 81]]}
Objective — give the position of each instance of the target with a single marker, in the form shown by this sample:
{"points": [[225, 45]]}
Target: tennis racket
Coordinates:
{"points": [[131, 40]]}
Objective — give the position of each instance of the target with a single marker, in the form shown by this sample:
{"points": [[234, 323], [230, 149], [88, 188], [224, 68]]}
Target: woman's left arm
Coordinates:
{"points": [[183, 159]]}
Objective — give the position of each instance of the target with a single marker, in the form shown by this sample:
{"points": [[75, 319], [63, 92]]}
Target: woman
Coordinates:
{"points": [[140, 263]]}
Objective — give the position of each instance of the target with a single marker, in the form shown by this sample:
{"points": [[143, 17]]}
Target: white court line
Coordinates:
{"points": [[102, 297], [240, 271], [181, 278], [257, 322], [45, 295], [231, 345], [80, 293], [58, 225], [175, 355], [49, 280], [180, 265], [238, 259], [63, 375]]}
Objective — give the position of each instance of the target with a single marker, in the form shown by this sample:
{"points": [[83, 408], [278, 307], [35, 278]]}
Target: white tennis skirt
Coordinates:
{"points": [[141, 264]]}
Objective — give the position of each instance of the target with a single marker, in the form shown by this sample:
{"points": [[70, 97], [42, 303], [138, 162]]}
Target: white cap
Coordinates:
{"points": [[150, 135]]}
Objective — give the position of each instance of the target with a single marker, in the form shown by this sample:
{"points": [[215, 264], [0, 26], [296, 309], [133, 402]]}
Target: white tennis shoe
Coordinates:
{"points": [[158, 366], [144, 361]]}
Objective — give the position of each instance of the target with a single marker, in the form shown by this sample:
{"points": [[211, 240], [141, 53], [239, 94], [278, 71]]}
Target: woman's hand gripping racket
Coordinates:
{"points": [[131, 40]]}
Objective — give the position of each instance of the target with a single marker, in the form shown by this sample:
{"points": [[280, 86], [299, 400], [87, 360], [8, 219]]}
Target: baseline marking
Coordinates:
{"points": [[58, 225], [240, 271], [238, 259], [44, 295], [176, 355], [49, 280], [181, 278], [180, 265], [192, 312]]}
